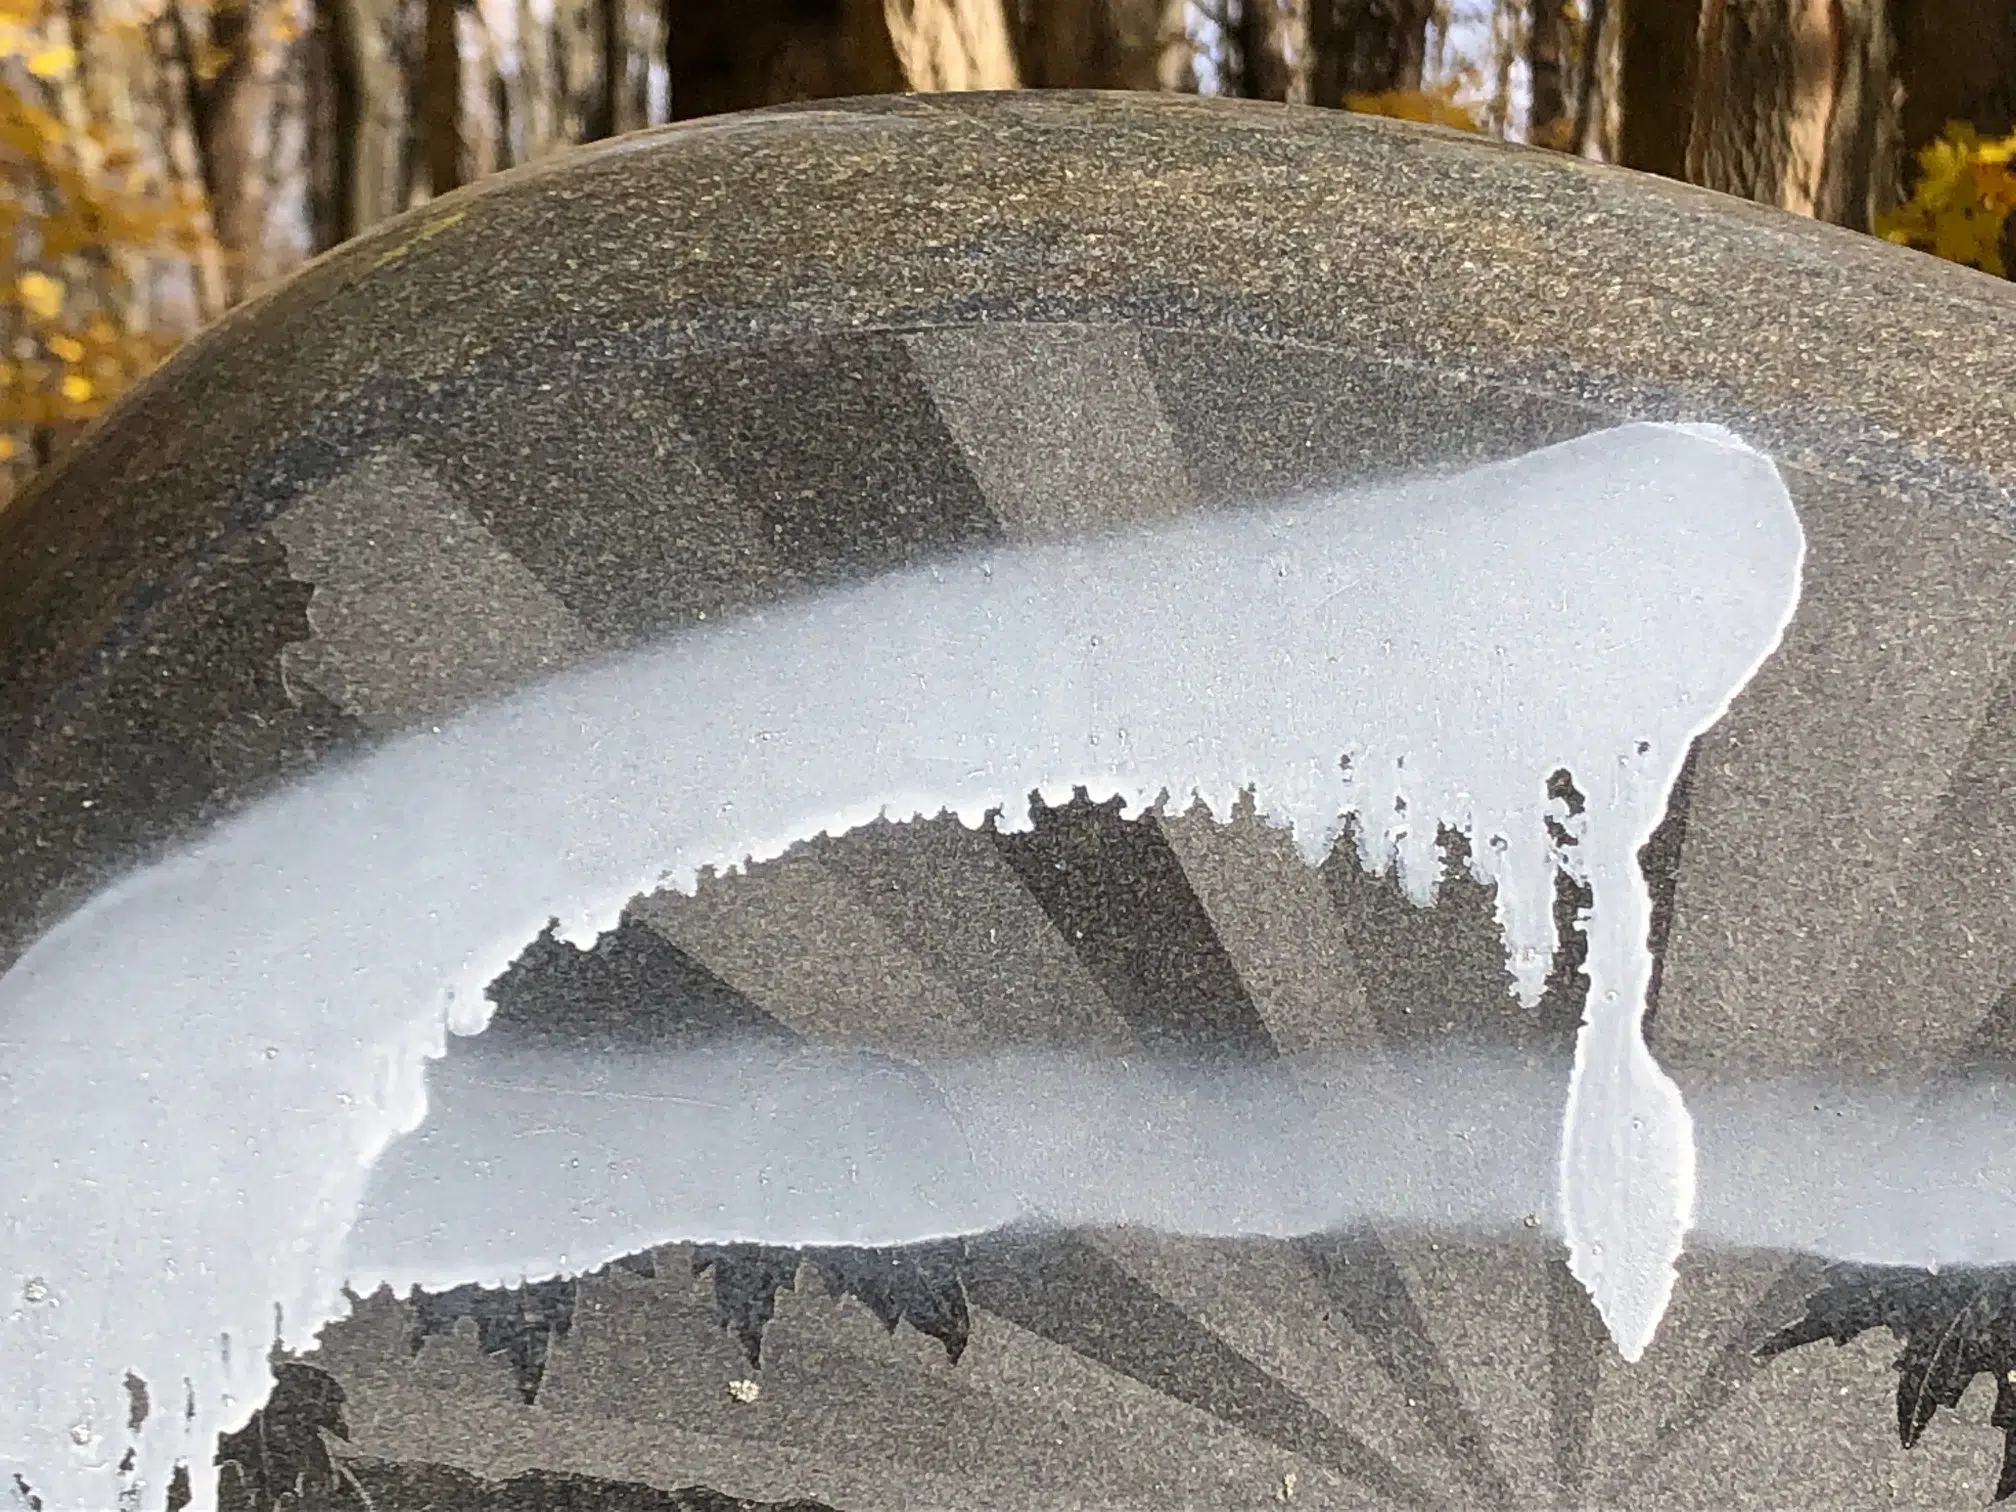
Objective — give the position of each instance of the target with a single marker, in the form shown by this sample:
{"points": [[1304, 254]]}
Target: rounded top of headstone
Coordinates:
{"points": [[592, 367], [1020, 601]]}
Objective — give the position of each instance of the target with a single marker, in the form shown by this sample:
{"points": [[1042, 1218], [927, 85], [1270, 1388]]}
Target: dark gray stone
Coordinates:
{"points": [[702, 369]]}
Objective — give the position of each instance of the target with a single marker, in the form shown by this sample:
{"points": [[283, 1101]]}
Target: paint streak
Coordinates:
{"points": [[203, 1064]]}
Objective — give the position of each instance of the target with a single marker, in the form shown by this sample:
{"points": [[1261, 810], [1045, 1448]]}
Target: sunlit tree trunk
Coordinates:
{"points": [[1598, 83], [539, 115], [291, 144], [951, 44], [577, 69], [1794, 106], [185, 166]]}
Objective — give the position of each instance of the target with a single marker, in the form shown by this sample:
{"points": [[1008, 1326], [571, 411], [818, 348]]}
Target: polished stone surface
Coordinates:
{"points": [[708, 369]]}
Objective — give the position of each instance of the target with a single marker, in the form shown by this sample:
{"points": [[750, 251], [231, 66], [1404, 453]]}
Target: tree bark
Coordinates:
{"points": [[227, 98], [1366, 46], [951, 44], [539, 92], [1103, 44], [577, 70], [364, 116], [1273, 59], [1794, 106], [441, 96], [613, 37], [761, 52], [184, 160], [1656, 79], [1596, 84], [1548, 50]]}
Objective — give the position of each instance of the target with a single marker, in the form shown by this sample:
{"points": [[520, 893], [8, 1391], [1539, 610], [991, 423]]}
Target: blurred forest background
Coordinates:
{"points": [[163, 159]]}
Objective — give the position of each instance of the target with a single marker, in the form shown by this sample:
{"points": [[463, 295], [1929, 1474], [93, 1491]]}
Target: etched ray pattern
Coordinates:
{"points": [[1395, 1361]]}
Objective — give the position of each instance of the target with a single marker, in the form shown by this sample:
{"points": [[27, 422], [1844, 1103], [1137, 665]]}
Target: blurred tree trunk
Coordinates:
{"points": [[724, 57], [613, 41], [539, 112], [229, 94], [364, 90], [577, 69], [1103, 44], [184, 160], [1656, 81], [951, 44], [1273, 50], [1549, 46], [1794, 106], [1508, 38], [1598, 83], [1365, 46], [1956, 61], [441, 96]]}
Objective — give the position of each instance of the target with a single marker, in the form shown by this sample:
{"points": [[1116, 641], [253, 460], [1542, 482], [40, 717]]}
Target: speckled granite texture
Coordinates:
{"points": [[709, 367]]}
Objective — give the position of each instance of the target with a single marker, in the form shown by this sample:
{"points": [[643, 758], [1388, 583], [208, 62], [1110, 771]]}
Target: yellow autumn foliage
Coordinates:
{"points": [[83, 226], [1962, 199], [1431, 107]]}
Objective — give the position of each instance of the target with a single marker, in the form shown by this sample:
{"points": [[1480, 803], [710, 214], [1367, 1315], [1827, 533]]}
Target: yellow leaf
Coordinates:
{"points": [[9, 448], [1431, 108], [66, 348], [52, 62], [1963, 198], [209, 59], [77, 388], [1995, 183], [40, 294]]}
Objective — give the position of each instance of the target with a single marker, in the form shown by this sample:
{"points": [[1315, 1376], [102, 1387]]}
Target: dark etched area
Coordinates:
{"points": [[442, 1488], [285, 1460], [186, 720], [837, 448], [1062, 1287], [1117, 892], [632, 989], [922, 1285], [281, 1457], [1955, 1325], [747, 1278], [520, 1322], [1659, 861], [1359, 1275], [1431, 972]]}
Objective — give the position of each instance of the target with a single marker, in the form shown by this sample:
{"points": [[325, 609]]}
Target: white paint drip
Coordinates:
{"points": [[202, 1064]]}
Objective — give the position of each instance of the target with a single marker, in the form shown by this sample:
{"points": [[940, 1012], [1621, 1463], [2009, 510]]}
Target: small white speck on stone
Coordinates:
{"points": [[745, 1391]]}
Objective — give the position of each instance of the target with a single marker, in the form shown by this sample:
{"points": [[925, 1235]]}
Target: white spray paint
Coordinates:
{"points": [[202, 1064], [538, 1159]]}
